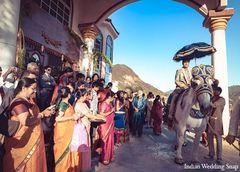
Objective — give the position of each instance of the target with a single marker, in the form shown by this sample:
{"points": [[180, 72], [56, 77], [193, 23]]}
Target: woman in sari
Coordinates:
{"points": [[156, 114], [130, 111], [119, 118], [65, 160], [106, 130], [85, 115], [25, 151]]}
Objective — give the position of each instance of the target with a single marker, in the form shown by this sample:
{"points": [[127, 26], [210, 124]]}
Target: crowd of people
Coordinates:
{"points": [[63, 121], [59, 123]]}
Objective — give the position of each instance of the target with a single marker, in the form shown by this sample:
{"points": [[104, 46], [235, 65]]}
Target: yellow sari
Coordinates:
{"points": [[65, 160]]}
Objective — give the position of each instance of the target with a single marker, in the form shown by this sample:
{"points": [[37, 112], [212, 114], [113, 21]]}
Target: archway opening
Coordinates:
{"points": [[151, 33]]}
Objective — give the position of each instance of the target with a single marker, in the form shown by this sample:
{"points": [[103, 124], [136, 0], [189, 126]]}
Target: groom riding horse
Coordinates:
{"points": [[192, 108]]}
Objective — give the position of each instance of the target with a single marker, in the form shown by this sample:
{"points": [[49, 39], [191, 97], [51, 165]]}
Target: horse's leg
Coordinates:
{"points": [[198, 134], [185, 138], [196, 145], [180, 140], [176, 139], [184, 142]]}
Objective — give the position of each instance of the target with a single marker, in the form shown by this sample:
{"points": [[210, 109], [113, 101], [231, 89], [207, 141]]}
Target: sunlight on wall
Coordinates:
{"points": [[9, 18]]}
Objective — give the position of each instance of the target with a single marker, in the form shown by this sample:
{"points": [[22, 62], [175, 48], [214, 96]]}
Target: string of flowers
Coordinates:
{"points": [[21, 55], [21, 50], [25, 10], [105, 58]]}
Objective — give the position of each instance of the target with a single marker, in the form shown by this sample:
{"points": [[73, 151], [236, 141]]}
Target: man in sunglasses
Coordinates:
{"points": [[47, 84]]}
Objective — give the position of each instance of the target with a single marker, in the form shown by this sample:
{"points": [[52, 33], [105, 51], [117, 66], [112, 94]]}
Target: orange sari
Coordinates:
{"points": [[25, 151], [65, 160]]}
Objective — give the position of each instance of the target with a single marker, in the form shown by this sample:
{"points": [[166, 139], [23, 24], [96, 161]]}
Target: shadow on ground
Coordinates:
{"points": [[152, 153]]}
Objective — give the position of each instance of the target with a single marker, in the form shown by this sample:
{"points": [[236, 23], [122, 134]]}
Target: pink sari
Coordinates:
{"points": [[106, 134], [85, 148]]}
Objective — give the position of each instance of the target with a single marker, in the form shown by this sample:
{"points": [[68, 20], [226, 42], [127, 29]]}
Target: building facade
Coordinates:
{"points": [[49, 38]]}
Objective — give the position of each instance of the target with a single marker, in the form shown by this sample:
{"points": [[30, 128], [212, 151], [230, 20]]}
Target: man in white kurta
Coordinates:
{"points": [[183, 81]]}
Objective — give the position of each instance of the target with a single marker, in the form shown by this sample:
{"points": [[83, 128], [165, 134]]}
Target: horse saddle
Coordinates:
{"points": [[195, 113]]}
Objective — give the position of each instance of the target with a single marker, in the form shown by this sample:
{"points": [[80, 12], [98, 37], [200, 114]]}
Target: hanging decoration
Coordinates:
{"points": [[105, 58], [20, 50]]}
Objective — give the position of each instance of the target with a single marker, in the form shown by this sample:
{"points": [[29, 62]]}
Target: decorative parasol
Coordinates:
{"points": [[195, 50]]}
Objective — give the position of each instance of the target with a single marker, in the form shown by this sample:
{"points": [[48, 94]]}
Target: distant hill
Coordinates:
{"points": [[169, 92], [127, 78]]}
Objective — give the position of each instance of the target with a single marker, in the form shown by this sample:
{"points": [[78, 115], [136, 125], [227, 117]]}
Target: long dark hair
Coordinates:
{"points": [[150, 95], [81, 93], [156, 99], [95, 74], [121, 99], [25, 82], [110, 94], [62, 93]]}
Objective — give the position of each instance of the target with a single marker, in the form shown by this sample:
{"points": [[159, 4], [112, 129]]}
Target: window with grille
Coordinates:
{"points": [[109, 47], [109, 53], [98, 48], [60, 9]]}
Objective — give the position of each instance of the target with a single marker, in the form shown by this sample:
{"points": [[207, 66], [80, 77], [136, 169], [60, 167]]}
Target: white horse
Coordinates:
{"points": [[199, 93]]}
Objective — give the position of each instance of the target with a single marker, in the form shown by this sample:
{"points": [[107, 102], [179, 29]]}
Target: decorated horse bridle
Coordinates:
{"points": [[203, 75]]}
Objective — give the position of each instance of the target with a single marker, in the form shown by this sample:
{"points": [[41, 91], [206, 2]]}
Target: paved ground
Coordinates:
{"points": [[155, 153]]}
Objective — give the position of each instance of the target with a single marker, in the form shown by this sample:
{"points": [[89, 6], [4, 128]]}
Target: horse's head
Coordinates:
{"points": [[202, 84]]}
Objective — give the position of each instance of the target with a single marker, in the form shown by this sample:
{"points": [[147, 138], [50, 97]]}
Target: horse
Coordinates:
{"points": [[198, 94]]}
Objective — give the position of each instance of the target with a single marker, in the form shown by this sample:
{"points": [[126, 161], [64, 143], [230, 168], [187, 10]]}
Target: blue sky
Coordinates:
{"points": [[152, 31]]}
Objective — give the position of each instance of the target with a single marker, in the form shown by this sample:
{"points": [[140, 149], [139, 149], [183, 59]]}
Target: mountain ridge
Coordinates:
{"points": [[128, 79]]}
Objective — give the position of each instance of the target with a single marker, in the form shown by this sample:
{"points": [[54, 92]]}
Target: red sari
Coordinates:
{"points": [[106, 134], [156, 114]]}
